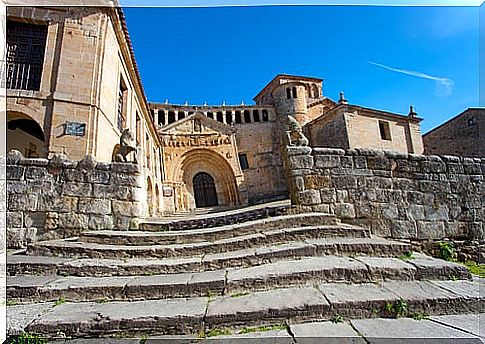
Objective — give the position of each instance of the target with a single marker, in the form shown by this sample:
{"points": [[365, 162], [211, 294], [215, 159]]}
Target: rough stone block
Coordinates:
{"points": [[344, 182], [402, 229], [20, 237], [346, 162], [15, 172], [432, 166], [100, 222], [317, 181], [301, 161], [472, 168], [125, 167], [360, 162], [14, 219], [127, 208], [73, 220], [76, 189], [37, 173], [389, 211], [24, 202], [345, 210], [342, 196], [34, 219], [327, 151], [436, 213], [94, 206], [416, 197], [98, 177], [73, 175], [16, 186], [327, 161], [430, 230], [115, 192], [299, 150], [126, 179], [415, 212], [434, 186], [379, 163], [328, 195], [379, 183], [57, 204], [309, 197]]}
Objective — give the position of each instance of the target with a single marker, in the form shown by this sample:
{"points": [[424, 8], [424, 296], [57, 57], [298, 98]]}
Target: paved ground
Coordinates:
{"points": [[465, 328]]}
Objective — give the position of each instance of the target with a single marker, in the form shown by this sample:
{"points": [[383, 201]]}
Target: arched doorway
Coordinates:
{"points": [[26, 135], [204, 190]]}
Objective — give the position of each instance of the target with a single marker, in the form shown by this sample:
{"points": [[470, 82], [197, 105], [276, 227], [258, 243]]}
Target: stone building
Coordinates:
{"points": [[231, 155], [73, 87], [463, 135]]}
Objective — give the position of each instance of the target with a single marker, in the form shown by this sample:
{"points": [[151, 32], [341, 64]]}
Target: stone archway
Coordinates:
{"points": [[26, 135], [205, 193], [198, 161]]}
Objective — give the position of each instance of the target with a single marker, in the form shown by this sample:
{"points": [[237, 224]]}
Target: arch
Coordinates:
{"points": [[265, 115], [238, 117], [256, 115], [247, 116], [181, 115], [205, 193], [228, 117], [157, 199], [288, 93], [316, 91], [26, 135], [294, 92], [149, 196], [210, 162]]}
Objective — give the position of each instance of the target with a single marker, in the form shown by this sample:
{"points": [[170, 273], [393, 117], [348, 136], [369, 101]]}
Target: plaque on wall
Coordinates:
{"points": [[75, 128]]}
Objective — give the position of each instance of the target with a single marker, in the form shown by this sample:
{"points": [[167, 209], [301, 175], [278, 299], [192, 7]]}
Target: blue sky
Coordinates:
{"points": [[381, 57]]}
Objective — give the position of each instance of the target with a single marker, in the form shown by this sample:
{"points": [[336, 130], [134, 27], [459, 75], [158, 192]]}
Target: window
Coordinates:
{"points": [[265, 116], [219, 117], [228, 117], [138, 129], [171, 117], [122, 96], [288, 93], [181, 115], [25, 55], [472, 121], [256, 115], [238, 117], [247, 116], [243, 161], [384, 130], [197, 126], [210, 115], [161, 117], [294, 92]]}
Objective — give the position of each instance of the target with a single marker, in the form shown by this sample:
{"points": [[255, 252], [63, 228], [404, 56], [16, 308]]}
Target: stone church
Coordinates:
{"points": [[73, 86]]}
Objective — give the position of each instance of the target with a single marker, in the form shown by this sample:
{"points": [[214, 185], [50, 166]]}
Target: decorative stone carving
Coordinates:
{"points": [[295, 135], [127, 145]]}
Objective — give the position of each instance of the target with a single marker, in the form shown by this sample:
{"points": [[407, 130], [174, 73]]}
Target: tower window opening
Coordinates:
{"points": [[210, 115], [238, 117], [265, 116], [229, 117], [247, 116], [288, 93], [181, 115], [171, 117], [294, 92], [219, 117], [243, 161], [256, 115], [385, 130], [161, 117]]}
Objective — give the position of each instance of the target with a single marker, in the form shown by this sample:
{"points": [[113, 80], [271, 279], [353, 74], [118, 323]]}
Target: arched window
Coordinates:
{"points": [[265, 116], [210, 115], [181, 115], [238, 117], [256, 115], [247, 116], [228, 117], [171, 117], [288, 93], [161, 117], [219, 117], [294, 92]]}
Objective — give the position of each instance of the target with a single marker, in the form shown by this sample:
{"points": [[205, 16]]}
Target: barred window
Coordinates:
{"points": [[25, 55]]}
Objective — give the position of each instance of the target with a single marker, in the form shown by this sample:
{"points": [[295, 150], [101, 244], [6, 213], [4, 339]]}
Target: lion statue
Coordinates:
{"points": [[295, 134], [126, 146]]}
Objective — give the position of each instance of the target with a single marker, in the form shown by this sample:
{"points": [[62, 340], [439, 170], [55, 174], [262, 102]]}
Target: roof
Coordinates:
{"points": [[286, 76], [456, 117]]}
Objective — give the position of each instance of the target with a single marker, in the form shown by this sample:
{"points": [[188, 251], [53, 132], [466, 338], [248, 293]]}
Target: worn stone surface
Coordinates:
{"points": [[471, 323], [20, 316], [326, 331], [388, 268]]}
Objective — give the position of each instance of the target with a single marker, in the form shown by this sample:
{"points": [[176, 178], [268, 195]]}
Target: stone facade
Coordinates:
{"points": [[60, 198], [463, 135], [398, 195]]}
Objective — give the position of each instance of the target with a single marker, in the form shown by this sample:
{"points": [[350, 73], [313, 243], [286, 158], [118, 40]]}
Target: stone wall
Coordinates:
{"points": [[394, 194], [59, 198]]}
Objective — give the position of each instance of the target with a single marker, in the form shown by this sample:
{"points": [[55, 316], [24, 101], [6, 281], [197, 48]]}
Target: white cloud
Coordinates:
{"points": [[444, 86]]}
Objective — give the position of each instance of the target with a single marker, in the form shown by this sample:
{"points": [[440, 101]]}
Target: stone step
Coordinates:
{"points": [[191, 316], [74, 248], [25, 264], [223, 232], [229, 281], [220, 218]]}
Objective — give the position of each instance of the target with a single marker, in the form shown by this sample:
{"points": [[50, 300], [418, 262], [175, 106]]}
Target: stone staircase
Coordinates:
{"points": [[262, 266]]}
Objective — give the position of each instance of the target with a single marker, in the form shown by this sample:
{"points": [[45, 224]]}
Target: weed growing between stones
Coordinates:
{"points": [[407, 256], [217, 332], [420, 316], [447, 251], [211, 295], [59, 301], [263, 328], [453, 277], [398, 309], [27, 338], [143, 339], [337, 319]]}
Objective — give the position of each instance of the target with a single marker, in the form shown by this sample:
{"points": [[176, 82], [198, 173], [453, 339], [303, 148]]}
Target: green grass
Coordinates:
{"points": [[27, 338], [476, 269], [263, 328], [420, 316], [217, 332], [447, 251], [337, 319]]}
